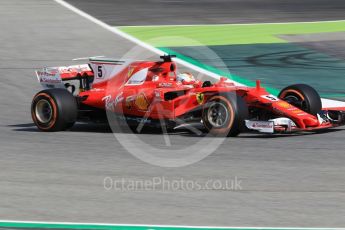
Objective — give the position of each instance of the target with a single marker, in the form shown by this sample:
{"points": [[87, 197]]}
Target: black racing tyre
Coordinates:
{"points": [[54, 110], [302, 96], [224, 115]]}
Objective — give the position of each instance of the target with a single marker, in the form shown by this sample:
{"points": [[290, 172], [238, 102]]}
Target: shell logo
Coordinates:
{"points": [[141, 102], [284, 104]]}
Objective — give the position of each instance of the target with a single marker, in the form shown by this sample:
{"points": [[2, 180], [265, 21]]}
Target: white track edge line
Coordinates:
{"points": [[133, 39], [169, 226], [155, 50], [141, 43]]}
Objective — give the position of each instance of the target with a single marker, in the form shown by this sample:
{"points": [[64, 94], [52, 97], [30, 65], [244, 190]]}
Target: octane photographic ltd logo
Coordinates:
{"points": [[172, 185], [161, 145]]}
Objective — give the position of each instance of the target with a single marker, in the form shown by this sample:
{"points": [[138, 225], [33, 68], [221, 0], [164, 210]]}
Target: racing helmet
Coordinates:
{"points": [[185, 77]]}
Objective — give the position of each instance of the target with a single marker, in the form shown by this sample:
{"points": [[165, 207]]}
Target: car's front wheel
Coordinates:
{"points": [[302, 96]]}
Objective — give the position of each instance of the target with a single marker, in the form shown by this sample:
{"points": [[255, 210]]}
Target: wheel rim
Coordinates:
{"points": [[218, 114], [296, 101], [43, 111]]}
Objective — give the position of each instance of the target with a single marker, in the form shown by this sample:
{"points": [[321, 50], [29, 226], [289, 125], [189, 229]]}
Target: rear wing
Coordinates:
{"points": [[49, 78], [53, 77]]}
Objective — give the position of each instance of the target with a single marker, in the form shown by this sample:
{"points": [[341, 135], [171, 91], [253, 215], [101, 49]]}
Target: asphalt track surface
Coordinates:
{"points": [[181, 12], [286, 180]]}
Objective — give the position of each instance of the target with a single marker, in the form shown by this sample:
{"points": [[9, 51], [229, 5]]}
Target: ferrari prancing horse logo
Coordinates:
{"points": [[200, 98], [130, 71]]}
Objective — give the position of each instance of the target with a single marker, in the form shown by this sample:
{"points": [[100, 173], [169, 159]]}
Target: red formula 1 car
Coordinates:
{"points": [[153, 93]]}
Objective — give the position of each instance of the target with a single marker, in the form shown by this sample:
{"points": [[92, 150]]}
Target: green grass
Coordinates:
{"points": [[169, 36]]}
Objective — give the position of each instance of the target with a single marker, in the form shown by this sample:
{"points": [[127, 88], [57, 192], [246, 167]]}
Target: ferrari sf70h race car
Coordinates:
{"points": [[151, 93]]}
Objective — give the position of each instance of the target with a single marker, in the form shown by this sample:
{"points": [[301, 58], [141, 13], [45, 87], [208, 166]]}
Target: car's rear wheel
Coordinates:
{"points": [[224, 115], [302, 96], [54, 110]]}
